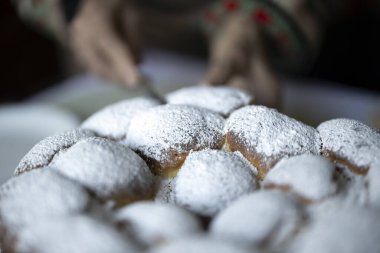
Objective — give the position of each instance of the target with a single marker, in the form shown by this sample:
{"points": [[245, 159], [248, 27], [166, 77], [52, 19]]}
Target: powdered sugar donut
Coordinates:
{"points": [[113, 121], [152, 223], [261, 219], [310, 176], [222, 100], [201, 245], [264, 136], [43, 152], [349, 230], [78, 234], [209, 180], [164, 135], [109, 169], [38, 195], [350, 143]]}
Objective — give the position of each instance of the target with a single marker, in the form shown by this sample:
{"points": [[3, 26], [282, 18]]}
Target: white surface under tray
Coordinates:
{"points": [[23, 125]]}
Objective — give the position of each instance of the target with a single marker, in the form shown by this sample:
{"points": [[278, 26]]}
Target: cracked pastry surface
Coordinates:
{"points": [[164, 135], [264, 136], [350, 143]]}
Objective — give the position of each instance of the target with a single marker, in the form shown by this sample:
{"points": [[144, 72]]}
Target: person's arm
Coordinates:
{"points": [[100, 46], [90, 29], [251, 41], [238, 58]]}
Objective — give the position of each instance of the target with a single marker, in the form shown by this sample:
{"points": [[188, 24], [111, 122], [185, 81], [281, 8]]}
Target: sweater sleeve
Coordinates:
{"points": [[287, 43]]}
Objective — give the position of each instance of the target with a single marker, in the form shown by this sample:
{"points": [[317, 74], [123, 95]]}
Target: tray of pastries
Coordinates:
{"points": [[206, 171]]}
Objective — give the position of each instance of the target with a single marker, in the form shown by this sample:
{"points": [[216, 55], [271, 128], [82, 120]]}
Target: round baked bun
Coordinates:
{"points": [[264, 136], [44, 151], [309, 176], [350, 143], [210, 180], [113, 120], [76, 234], [164, 135], [266, 219], [153, 223], [220, 99], [110, 170], [38, 195], [203, 244], [348, 230]]}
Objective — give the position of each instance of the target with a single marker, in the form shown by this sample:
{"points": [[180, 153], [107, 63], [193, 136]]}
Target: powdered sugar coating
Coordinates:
{"points": [[310, 176], [152, 223], [43, 152], [209, 180], [327, 207], [109, 169], [165, 191], [348, 230], [264, 135], [351, 186], [38, 195], [351, 141], [202, 244], [113, 121], [222, 100], [374, 184], [165, 134], [78, 234], [262, 218]]}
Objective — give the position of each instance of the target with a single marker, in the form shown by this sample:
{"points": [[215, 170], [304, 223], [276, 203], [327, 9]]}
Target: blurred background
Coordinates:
{"points": [[39, 96], [31, 62]]}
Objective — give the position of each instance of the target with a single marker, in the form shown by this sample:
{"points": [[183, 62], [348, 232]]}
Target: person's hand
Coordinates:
{"points": [[238, 58], [101, 46]]}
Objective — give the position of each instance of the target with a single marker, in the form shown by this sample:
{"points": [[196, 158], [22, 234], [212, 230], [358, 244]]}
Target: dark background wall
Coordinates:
{"points": [[30, 62], [350, 53]]}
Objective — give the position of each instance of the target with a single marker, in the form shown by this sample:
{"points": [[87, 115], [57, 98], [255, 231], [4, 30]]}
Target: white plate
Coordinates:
{"points": [[22, 126]]}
